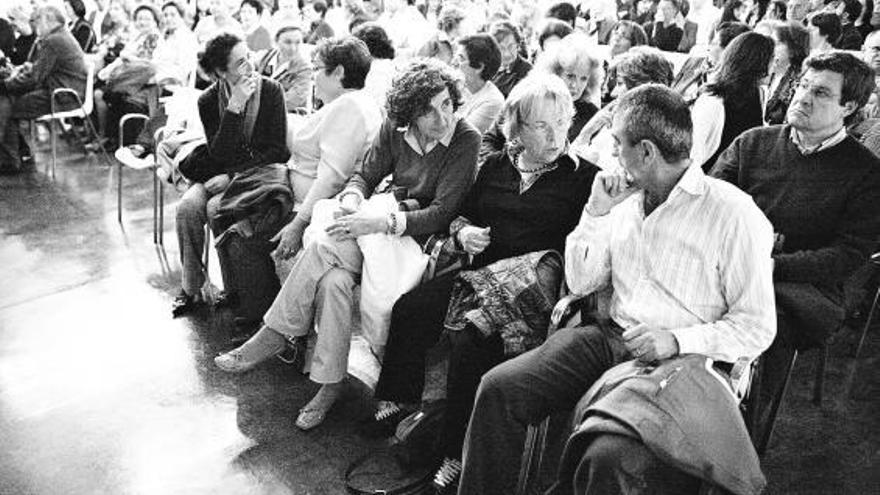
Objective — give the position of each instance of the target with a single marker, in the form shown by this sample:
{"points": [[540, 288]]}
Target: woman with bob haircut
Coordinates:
{"points": [[431, 156], [478, 57], [526, 200], [792, 47]]}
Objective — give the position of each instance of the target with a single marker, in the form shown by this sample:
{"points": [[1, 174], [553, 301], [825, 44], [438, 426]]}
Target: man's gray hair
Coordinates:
{"points": [[655, 113], [531, 93]]}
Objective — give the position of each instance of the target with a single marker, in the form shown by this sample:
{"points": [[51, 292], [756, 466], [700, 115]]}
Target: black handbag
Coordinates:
{"points": [[406, 466]]}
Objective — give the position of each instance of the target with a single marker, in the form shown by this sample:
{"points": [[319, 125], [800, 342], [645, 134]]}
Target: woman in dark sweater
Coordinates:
{"points": [[246, 126], [734, 92], [514, 222]]}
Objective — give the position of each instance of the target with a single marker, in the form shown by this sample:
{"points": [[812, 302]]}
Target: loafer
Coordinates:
{"points": [[226, 300], [184, 304], [310, 418], [234, 362]]}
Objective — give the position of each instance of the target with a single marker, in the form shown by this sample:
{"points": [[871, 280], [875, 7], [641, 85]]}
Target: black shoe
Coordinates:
{"points": [[447, 477], [226, 300], [384, 422], [184, 304]]}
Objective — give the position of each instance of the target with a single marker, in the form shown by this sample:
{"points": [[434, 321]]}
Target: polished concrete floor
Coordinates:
{"points": [[101, 392]]}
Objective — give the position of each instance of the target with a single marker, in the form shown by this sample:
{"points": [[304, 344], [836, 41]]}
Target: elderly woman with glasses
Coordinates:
{"points": [[431, 157], [525, 201]]}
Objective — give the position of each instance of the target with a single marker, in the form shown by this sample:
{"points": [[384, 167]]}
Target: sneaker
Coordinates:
{"points": [[184, 304], [447, 477]]}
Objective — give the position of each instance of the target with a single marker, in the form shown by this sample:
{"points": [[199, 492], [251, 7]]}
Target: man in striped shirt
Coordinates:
{"points": [[687, 260]]}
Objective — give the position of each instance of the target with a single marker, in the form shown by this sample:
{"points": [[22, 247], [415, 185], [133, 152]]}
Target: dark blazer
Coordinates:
{"points": [[777, 105], [226, 145], [58, 63]]}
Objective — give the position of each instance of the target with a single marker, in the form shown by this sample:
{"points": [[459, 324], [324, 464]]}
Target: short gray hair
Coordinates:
{"points": [[531, 93], [655, 113], [643, 65]]}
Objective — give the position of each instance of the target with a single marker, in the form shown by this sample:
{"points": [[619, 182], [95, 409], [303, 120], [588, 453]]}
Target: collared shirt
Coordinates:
{"points": [[828, 142], [699, 266], [410, 137]]}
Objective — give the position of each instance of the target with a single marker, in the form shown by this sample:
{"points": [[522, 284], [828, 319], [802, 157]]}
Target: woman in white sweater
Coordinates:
{"points": [[329, 145]]}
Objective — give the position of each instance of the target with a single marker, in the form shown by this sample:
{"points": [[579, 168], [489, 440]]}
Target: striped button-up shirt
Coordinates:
{"points": [[699, 265]]}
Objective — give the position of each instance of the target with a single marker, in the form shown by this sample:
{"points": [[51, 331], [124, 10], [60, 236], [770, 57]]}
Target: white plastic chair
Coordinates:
{"points": [[82, 111], [145, 164]]}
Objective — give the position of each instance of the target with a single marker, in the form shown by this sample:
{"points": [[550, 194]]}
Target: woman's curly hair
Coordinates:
{"points": [[410, 95]]}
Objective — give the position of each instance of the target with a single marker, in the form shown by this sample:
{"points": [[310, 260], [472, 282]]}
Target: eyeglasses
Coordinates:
{"points": [[318, 68], [817, 92]]}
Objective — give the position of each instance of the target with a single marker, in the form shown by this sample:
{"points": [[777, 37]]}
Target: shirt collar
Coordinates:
{"points": [[413, 143], [830, 141], [693, 181]]}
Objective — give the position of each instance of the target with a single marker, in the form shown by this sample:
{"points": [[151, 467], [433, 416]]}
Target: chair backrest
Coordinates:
{"points": [[89, 97]]}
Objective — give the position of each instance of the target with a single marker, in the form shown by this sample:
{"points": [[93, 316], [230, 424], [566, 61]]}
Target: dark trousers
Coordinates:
{"points": [[524, 391], [12, 109]]}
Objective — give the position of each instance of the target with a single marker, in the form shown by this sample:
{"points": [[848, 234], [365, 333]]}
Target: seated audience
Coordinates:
{"points": [[797, 10], [625, 35], [431, 156], [694, 72], [564, 11], [582, 74], [288, 14], [871, 55], [603, 18], [819, 188], [442, 45], [551, 34], [246, 127], [477, 58], [731, 101], [58, 62], [286, 64], [513, 66], [689, 29], [255, 34], [850, 38], [735, 11], [330, 144], [824, 30], [25, 35], [775, 11], [383, 69], [792, 47], [511, 235], [218, 21], [640, 65], [704, 237], [80, 28], [318, 28], [176, 55], [665, 33]]}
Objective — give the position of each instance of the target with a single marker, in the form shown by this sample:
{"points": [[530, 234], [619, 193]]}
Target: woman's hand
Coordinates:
{"points": [[217, 184], [357, 224], [289, 238], [474, 239], [242, 92]]}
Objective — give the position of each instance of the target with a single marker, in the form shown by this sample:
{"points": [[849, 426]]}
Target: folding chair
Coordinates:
{"points": [[82, 111], [152, 166]]}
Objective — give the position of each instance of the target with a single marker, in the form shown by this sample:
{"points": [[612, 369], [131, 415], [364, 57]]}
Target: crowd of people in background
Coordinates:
{"points": [[712, 166]]}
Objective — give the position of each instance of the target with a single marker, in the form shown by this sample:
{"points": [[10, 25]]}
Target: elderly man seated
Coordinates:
{"points": [[820, 189], [687, 259], [27, 93]]}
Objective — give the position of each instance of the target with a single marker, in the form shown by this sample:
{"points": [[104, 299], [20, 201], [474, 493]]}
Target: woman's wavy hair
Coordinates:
{"points": [[743, 64], [410, 95]]}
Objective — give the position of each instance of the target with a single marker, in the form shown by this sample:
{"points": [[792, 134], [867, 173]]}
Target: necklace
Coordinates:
{"points": [[542, 168]]}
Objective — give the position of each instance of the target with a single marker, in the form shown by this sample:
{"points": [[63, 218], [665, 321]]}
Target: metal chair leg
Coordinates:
{"points": [[54, 138], [155, 207], [774, 408], [868, 323], [161, 213]]}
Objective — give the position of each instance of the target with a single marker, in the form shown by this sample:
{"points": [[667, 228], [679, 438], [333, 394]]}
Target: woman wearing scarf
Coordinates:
{"points": [[246, 128]]}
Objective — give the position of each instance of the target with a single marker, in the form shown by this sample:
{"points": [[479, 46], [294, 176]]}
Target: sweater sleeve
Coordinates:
{"points": [[342, 136], [378, 163], [727, 165], [853, 243], [44, 65], [453, 183]]}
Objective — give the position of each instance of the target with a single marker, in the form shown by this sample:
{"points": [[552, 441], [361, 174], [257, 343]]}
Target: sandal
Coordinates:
{"points": [[447, 477], [310, 418]]}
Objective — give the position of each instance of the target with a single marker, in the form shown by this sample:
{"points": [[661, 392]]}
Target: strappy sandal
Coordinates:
{"points": [[310, 418]]}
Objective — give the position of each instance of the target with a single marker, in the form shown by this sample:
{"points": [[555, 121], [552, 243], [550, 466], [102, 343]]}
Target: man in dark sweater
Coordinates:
{"points": [[26, 94], [819, 187]]}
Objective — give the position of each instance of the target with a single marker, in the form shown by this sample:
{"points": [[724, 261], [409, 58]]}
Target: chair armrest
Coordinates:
{"points": [[567, 306], [62, 91]]}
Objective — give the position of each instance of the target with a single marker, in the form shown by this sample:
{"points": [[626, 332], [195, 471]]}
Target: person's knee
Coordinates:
{"points": [[191, 207], [607, 452], [337, 282]]}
